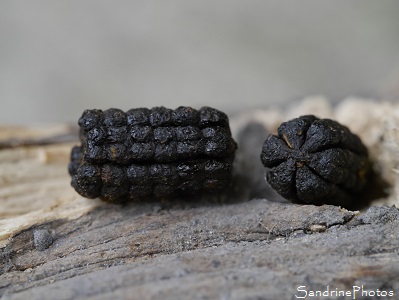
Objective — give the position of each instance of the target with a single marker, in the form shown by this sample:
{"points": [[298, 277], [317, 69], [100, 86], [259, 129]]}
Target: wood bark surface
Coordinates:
{"points": [[248, 244]]}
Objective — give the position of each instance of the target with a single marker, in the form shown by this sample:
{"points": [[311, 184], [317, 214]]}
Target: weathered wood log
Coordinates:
{"points": [[249, 244]]}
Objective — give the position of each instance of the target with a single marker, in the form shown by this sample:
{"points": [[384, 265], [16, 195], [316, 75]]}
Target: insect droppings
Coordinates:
{"points": [[146, 152], [316, 161]]}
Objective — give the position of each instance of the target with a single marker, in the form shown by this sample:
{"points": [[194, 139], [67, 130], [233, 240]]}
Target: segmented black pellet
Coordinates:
{"points": [[152, 152], [316, 161]]}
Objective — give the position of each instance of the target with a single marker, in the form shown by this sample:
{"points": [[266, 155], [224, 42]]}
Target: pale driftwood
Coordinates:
{"points": [[34, 186], [255, 249], [57, 245]]}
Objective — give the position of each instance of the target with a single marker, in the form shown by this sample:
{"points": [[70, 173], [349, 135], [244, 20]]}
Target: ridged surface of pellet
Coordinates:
{"points": [[158, 151], [316, 161]]}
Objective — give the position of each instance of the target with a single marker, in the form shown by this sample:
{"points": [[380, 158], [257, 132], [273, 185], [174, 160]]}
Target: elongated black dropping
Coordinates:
{"points": [[152, 152], [316, 161]]}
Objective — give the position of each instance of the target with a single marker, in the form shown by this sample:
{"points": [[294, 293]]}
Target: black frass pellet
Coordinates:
{"points": [[144, 152], [316, 161]]}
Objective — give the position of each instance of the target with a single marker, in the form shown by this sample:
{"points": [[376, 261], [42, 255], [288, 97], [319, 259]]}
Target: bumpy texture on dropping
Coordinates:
{"points": [[157, 151], [316, 161]]}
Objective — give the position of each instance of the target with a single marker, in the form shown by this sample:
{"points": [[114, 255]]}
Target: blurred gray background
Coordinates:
{"points": [[58, 58]]}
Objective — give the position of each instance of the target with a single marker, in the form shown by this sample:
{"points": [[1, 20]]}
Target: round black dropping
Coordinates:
{"points": [[94, 153], [96, 135], [117, 134], [138, 116], [152, 152], [160, 116], [87, 180], [212, 117], [189, 149], [316, 161], [163, 135], [91, 118], [184, 115], [187, 133], [138, 174], [142, 152], [76, 157], [114, 117], [141, 134], [166, 152]]}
